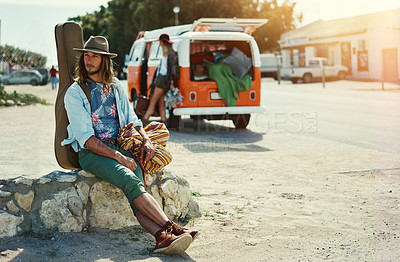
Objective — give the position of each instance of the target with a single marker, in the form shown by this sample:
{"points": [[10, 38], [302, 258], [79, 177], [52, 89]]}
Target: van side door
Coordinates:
{"points": [[154, 60], [136, 57]]}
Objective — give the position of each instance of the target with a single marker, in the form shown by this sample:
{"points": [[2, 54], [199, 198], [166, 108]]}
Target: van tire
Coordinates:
{"points": [[173, 121], [307, 78], [241, 121], [34, 82], [341, 75]]}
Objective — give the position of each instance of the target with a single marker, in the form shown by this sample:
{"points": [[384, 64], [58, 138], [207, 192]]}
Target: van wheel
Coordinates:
{"points": [[341, 75], [307, 78], [241, 121], [173, 121], [34, 82]]}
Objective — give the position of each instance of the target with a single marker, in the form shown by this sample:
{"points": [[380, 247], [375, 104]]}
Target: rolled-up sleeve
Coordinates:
{"points": [[80, 124]]}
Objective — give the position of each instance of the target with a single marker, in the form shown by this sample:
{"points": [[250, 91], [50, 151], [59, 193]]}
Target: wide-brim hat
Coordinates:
{"points": [[97, 44], [165, 38]]}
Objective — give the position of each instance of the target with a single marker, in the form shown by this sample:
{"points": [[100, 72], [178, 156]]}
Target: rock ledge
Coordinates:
{"points": [[71, 202]]}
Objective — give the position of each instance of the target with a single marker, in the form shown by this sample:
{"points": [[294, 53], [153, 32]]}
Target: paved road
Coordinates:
{"points": [[354, 113], [355, 119]]}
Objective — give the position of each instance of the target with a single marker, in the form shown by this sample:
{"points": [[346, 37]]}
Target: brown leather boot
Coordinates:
{"points": [[168, 243], [179, 230]]}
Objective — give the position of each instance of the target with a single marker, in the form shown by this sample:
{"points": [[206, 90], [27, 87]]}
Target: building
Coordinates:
{"points": [[368, 45]]}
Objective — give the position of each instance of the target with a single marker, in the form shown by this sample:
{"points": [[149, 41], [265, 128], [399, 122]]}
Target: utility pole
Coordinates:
{"points": [[176, 10]]}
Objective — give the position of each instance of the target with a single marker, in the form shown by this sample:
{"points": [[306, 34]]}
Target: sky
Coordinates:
{"points": [[29, 24]]}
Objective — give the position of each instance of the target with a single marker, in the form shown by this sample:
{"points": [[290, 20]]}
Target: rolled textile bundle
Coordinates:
{"points": [[130, 139]]}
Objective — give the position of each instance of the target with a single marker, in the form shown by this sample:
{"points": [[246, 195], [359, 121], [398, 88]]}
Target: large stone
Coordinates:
{"points": [[5, 193], [25, 200], [110, 207], [75, 205], [194, 209], [86, 174], [12, 207], [10, 102], [150, 178], [83, 191], [9, 224], [175, 193], [24, 181], [55, 213], [66, 178], [43, 180]]}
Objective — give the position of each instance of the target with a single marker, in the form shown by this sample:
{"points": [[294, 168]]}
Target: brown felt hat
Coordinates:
{"points": [[97, 44]]}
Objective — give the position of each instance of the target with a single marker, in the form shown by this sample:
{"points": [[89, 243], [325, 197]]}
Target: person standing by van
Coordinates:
{"points": [[166, 76], [93, 130], [53, 78]]}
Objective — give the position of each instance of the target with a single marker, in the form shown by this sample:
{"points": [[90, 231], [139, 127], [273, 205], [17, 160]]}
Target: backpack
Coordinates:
{"points": [[68, 35]]}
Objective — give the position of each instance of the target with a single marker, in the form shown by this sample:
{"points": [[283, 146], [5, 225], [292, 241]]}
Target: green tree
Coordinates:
{"points": [[280, 19], [122, 20]]}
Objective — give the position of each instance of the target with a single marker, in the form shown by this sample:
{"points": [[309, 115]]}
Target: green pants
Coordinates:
{"points": [[131, 183]]}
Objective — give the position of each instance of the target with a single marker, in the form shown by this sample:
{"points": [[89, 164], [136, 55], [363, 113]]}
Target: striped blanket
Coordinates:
{"points": [[130, 139]]}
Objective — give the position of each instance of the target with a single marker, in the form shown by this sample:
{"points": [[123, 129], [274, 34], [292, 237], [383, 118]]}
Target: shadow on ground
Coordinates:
{"points": [[106, 245], [201, 136]]}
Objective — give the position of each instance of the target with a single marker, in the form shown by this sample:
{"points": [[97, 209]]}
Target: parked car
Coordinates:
{"points": [[32, 77], [199, 45], [269, 65], [46, 75], [314, 71]]}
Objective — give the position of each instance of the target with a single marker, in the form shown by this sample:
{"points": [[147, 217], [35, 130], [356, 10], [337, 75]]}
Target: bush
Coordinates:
{"points": [[23, 98]]}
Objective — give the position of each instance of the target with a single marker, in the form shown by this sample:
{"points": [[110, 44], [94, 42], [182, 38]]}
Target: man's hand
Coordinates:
{"points": [[100, 148], [147, 150], [127, 161]]}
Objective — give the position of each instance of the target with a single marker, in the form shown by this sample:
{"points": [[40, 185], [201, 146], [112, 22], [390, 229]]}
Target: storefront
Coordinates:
{"points": [[368, 45]]}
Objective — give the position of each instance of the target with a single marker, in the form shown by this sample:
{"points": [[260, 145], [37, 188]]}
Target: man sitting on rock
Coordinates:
{"points": [[93, 132]]}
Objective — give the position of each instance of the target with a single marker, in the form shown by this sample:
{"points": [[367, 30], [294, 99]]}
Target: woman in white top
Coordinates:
{"points": [[167, 76]]}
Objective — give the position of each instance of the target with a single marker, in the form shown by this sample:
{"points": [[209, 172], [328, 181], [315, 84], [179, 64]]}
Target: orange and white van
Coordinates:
{"points": [[204, 41]]}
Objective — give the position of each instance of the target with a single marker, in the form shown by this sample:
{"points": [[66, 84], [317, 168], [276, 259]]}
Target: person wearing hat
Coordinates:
{"points": [[165, 77], [93, 129]]}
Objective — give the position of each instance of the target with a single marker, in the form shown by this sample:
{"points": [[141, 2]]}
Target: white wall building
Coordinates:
{"points": [[369, 45]]}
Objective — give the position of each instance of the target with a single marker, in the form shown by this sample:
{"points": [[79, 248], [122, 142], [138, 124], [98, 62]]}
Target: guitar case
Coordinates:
{"points": [[68, 35]]}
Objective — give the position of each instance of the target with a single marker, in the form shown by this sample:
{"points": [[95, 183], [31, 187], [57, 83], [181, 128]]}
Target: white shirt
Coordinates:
{"points": [[164, 66]]}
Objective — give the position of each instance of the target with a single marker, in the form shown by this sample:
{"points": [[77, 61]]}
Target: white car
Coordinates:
{"points": [[32, 77], [317, 66], [269, 65]]}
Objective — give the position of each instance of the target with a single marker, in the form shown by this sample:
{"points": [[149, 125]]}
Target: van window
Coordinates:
{"points": [[155, 51], [203, 52], [137, 52]]}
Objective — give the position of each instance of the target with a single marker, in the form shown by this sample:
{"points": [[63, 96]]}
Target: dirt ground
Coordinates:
{"points": [[263, 196]]}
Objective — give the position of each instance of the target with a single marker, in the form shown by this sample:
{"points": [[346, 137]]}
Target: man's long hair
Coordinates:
{"points": [[106, 70]]}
